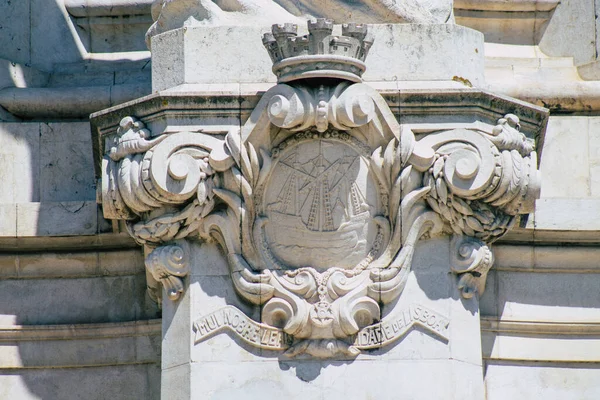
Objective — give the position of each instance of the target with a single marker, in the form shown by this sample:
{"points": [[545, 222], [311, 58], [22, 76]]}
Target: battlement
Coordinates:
{"points": [[320, 53]]}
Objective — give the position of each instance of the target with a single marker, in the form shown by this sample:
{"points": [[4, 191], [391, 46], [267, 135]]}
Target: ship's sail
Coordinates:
{"points": [[317, 189]]}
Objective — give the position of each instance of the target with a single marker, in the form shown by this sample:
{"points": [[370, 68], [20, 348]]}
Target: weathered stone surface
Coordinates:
{"points": [[552, 381], [572, 19], [174, 14], [75, 300], [19, 161], [539, 311], [66, 171], [394, 57], [57, 218], [118, 382], [566, 140]]}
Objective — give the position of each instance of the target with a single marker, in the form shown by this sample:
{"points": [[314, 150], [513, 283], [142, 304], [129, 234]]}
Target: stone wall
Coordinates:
{"points": [[75, 318]]}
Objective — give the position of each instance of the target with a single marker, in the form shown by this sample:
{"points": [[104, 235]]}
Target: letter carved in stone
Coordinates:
{"points": [[318, 201]]}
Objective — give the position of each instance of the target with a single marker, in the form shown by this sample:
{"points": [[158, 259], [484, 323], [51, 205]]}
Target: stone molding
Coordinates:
{"points": [[16, 333], [500, 326]]}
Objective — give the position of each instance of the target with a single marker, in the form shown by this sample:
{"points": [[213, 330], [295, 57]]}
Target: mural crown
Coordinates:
{"points": [[320, 54]]}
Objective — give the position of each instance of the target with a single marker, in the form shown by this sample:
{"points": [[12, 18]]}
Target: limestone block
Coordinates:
{"points": [[594, 180], [52, 39], [120, 262], [191, 55], [68, 77], [82, 300], [176, 337], [567, 214], [542, 347], [114, 382], [76, 265], [594, 155], [559, 258], [571, 32], [531, 296], [67, 171], [563, 258], [57, 264], [510, 256], [57, 218], [19, 162], [8, 266], [16, 31], [488, 302], [542, 382], [13, 74], [565, 161], [497, 20], [111, 34], [301, 380], [443, 53], [208, 259], [8, 216], [80, 353], [175, 383]]}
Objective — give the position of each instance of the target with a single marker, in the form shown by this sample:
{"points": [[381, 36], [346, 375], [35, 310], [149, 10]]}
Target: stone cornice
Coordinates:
{"points": [[411, 105]]}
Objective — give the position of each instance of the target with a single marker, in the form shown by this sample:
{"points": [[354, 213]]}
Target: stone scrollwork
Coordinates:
{"points": [[471, 260], [168, 264], [318, 201], [480, 182]]}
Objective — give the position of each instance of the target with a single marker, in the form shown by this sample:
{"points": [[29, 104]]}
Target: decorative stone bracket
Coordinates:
{"points": [[318, 200]]}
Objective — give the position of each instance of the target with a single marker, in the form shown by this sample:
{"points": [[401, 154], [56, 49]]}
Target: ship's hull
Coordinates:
{"points": [[295, 245]]}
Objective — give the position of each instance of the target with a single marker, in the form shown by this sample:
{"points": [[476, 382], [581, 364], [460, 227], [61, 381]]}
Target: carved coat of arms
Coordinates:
{"points": [[319, 199]]}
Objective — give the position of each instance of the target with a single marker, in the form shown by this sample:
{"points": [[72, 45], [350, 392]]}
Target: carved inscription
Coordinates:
{"points": [[267, 337], [391, 329], [252, 332]]}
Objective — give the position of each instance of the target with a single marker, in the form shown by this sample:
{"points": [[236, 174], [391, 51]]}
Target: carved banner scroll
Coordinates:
{"points": [[267, 337], [232, 319], [319, 200]]}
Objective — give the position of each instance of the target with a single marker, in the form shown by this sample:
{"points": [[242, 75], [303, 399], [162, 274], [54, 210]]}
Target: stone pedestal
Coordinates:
{"points": [[306, 241], [418, 365], [401, 52]]}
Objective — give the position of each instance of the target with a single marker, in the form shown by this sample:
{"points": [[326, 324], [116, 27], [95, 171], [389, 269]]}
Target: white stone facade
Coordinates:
{"points": [[80, 317]]}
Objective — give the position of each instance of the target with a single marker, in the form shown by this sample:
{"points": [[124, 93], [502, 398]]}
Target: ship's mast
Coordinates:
{"points": [[327, 203], [314, 213]]}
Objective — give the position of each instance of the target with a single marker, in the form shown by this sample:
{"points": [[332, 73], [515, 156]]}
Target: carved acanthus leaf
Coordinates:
{"points": [[507, 136], [479, 184]]}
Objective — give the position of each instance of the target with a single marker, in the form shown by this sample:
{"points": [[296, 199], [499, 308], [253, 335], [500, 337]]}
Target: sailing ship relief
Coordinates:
{"points": [[317, 210]]}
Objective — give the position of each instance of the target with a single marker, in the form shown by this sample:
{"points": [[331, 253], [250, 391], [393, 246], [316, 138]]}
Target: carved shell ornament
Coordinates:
{"points": [[318, 201]]}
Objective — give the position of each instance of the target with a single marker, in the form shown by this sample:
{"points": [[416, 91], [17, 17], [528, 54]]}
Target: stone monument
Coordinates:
{"points": [[328, 237]]}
